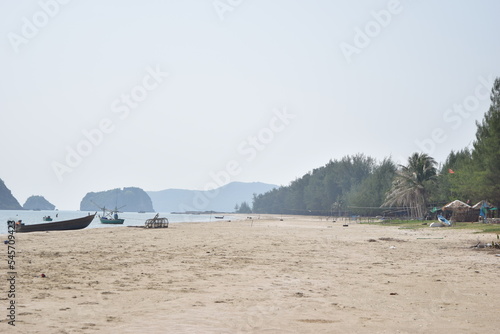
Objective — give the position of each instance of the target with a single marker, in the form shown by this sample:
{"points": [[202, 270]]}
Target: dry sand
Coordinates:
{"points": [[300, 275]]}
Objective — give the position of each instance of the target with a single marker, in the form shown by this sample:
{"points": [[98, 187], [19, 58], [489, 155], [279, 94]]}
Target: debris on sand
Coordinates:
{"points": [[391, 239], [486, 245]]}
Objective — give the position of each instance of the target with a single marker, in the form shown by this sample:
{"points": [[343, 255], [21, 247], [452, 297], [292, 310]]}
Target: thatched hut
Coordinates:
{"points": [[456, 205], [461, 212]]}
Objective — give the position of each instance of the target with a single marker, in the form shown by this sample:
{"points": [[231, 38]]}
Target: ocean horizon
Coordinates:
{"points": [[131, 218]]}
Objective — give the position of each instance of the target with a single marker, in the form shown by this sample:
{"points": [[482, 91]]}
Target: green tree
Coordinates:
{"points": [[315, 192], [244, 208], [370, 194], [486, 153], [411, 184], [457, 178]]}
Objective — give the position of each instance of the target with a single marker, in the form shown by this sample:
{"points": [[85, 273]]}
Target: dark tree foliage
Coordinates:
{"points": [[412, 183], [244, 208], [474, 175], [358, 184], [486, 153], [456, 178], [365, 198], [351, 181]]}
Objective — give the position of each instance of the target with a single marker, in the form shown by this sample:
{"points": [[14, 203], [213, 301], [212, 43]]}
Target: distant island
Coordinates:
{"points": [[129, 199], [7, 201], [38, 203], [223, 199]]}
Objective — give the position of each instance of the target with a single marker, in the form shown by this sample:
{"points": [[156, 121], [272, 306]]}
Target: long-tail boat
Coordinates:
{"points": [[63, 225]]}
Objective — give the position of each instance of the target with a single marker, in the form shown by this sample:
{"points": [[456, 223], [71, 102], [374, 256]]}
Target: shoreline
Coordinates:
{"points": [[299, 275]]}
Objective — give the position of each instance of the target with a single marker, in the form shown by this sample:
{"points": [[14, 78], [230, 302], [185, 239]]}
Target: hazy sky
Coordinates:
{"points": [[191, 94]]}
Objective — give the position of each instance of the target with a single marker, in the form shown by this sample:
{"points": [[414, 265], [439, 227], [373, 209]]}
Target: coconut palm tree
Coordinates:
{"points": [[409, 188]]}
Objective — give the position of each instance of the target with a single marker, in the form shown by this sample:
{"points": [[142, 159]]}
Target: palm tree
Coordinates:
{"points": [[409, 188]]}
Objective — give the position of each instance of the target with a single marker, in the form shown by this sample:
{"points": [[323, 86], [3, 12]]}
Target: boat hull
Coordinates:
{"points": [[111, 221], [64, 225]]}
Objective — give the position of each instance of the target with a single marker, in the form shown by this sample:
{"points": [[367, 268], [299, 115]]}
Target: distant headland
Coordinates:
{"points": [[226, 198], [127, 199], [7, 201], [38, 203]]}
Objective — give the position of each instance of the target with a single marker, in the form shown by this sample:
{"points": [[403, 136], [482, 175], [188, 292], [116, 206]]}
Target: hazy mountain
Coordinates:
{"points": [[7, 201], [38, 203], [127, 199], [222, 199]]}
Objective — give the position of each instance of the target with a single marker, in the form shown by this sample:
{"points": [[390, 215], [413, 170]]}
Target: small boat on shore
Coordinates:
{"points": [[444, 220], [110, 216], [63, 225], [111, 220]]}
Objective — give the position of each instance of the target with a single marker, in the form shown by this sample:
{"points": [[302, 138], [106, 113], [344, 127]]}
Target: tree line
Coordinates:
{"points": [[361, 185]]}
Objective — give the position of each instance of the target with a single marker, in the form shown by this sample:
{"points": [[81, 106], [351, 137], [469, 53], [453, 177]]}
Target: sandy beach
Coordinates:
{"points": [[299, 275]]}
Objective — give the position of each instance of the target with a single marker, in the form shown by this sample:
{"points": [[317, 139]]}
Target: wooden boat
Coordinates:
{"points": [[109, 220], [444, 220], [71, 224], [110, 216]]}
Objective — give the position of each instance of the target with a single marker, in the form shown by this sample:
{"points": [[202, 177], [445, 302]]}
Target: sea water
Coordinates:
{"points": [[131, 218]]}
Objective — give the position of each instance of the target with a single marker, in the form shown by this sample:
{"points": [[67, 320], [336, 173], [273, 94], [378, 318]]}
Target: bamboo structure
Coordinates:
{"points": [[156, 222]]}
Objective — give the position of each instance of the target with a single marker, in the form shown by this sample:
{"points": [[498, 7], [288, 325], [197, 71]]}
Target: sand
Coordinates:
{"points": [[299, 275]]}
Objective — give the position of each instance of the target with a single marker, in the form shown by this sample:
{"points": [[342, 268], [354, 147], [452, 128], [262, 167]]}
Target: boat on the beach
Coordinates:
{"points": [[444, 220], [63, 225], [111, 219], [110, 216]]}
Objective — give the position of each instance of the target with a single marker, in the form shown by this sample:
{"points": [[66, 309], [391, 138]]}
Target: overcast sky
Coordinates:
{"points": [[192, 94]]}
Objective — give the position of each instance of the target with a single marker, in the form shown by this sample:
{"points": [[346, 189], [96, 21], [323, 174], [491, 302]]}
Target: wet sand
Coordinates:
{"points": [[299, 275]]}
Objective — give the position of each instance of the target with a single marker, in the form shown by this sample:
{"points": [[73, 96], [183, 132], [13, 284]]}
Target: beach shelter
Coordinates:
{"points": [[456, 205], [460, 211]]}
